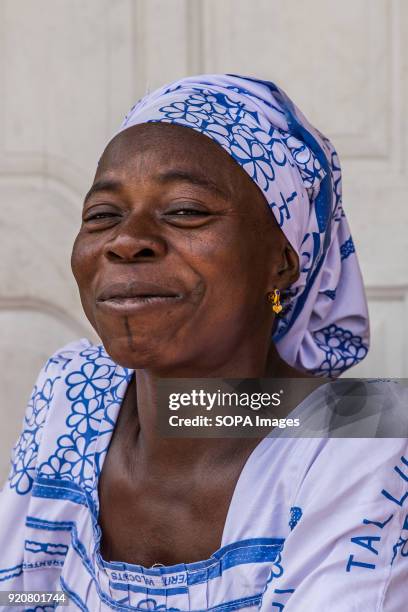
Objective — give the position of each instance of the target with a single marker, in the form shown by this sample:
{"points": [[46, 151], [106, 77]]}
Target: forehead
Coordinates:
{"points": [[152, 148]]}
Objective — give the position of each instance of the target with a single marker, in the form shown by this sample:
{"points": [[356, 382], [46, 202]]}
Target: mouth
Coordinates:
{"points": [[127, 297]]}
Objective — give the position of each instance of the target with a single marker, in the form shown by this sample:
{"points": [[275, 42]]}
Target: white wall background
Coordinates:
{"points": [[70, 70]]}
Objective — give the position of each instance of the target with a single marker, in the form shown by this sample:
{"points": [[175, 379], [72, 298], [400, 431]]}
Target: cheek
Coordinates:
{"points": [[234, 260], [233, 281], [83, 261]]}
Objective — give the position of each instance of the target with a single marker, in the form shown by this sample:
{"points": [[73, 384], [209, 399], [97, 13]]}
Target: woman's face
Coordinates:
{"points": [[176, 252]]}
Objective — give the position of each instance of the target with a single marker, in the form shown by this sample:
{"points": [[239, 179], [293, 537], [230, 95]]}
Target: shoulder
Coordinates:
{"points": [[349, 529], [82, 370], [71, 381], [82, 414], [349, 526], [55, 370], [64, 355], [361, 472], [343, 465], [354, 490]]}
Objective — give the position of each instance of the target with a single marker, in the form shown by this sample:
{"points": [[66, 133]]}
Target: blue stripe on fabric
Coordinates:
{"points": [[245, 543], [86, 562], [10, 569], [11, 572], [58, 482], [236, 604], [258, 555], [74, 596], [277, 543], [121, 586], [233, 605], [36, 523], [47, 547], [123, 600], [157, 571], [52, 490], [92, 507]]}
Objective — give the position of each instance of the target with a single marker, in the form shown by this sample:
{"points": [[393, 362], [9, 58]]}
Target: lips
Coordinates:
{"points": [[126, 298], [134, 290]]}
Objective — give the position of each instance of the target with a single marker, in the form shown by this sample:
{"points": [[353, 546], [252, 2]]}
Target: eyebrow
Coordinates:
{"points": [[173, 176], [103, 185]]}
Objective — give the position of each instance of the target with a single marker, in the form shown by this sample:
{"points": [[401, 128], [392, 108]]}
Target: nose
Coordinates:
{"points": [[136, 240]]}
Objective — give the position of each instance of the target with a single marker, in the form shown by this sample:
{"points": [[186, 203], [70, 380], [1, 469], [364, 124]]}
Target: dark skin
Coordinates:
{"points": [[170, 207]]}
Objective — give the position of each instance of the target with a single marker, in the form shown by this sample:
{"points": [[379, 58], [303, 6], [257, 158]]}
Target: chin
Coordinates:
{"points": [[133, 354]]}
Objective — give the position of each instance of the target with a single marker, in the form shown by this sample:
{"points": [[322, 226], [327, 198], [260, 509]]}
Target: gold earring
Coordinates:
{"points": [[274, 299]]}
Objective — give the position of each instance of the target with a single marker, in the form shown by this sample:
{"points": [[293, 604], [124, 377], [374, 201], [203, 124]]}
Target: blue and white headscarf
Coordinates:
{"points": [[323, 327]]}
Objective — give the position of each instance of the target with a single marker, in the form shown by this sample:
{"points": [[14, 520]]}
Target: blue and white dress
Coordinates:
{"points": [[317, 525]]}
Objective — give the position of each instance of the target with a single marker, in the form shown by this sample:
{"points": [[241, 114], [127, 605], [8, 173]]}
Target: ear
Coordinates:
{"points": [[288, 269]]}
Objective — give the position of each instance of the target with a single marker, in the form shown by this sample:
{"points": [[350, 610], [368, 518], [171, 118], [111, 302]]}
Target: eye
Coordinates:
{"points": [[100, 215], [187, 216], [189, 212]]}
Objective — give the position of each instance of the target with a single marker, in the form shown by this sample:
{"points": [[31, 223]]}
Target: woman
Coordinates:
{"points": [[176, 260]]}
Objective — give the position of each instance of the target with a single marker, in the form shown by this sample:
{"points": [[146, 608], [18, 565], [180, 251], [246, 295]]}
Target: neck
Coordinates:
{"points": [[185, 454], [157, 449]]}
